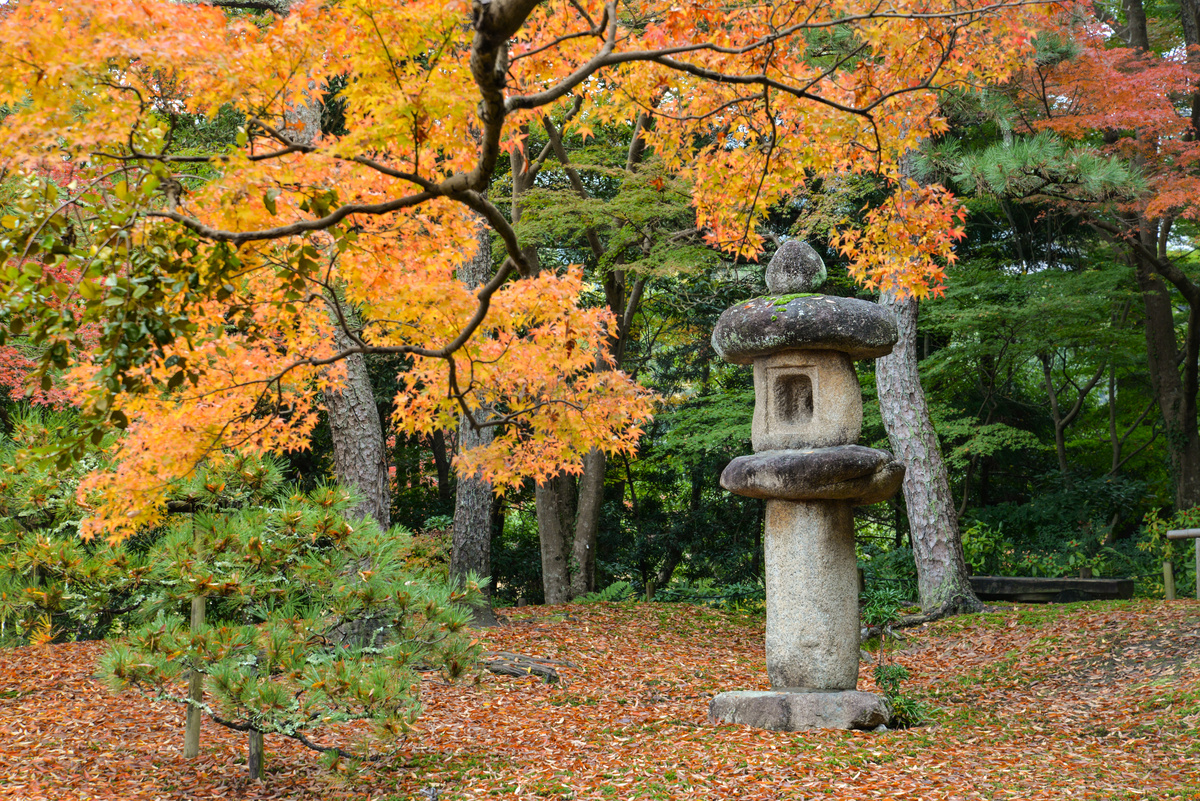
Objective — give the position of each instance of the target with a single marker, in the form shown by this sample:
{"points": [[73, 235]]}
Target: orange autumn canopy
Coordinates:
{"points": [[216, 278]]}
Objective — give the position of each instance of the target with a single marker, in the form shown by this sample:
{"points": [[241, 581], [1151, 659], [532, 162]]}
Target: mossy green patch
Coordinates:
{"points": [[783, 300]]}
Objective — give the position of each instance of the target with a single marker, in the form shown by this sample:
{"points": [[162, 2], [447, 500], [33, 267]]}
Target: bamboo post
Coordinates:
{"points": [[1169, 580], [1189, 534]]}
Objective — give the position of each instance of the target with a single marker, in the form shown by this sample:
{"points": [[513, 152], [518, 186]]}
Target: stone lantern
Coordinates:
{"points": [[807, 417]]}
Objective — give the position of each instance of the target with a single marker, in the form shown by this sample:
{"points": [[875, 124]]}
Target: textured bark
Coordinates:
{"points": [[1146, 240], [569, 543], [254, 755], [1189, 17], [555, 504], [587, 523], [471, 549], [359, 452], [1176, 394], [937, 544], [554, 498], [441, 461], [1135, 18]]}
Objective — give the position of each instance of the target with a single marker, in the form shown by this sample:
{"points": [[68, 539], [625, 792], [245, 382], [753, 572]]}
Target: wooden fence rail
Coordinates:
{"points": [[1183, 534]]}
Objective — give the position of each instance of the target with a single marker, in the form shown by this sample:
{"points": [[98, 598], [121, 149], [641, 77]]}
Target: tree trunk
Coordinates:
{"points": [[587, 523], [471, 549], [554, 498], [1176, 399], [555, 504], [1060, 430], [933, 526], [1135, 18], [1063, 419], [192, 718], [441, 461], [359, 451], [578, 537], [568, 514]]}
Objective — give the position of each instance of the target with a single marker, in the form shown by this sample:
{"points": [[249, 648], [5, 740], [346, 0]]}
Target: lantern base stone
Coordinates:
{"points": [[799, 709]]}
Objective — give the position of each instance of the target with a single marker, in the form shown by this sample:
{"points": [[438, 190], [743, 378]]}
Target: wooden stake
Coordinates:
{"points": [[1169, 580], [191, 732], [254, 755]]}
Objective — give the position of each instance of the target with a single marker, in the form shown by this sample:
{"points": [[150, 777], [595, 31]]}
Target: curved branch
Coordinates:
{"points": [[605, 57], [299, 227]]}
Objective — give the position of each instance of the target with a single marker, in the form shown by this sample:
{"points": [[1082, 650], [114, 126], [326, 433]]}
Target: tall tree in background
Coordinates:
{"points": [[471, 546], [1138, 100], [626, 224], [942, 578]]}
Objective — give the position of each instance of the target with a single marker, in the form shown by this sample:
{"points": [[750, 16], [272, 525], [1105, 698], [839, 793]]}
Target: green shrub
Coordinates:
{"points": [[1063, 527], [51, 581], [1158, 549], [880, 606], [617, 591], [311, 620], [887, 564], [743, 596]]}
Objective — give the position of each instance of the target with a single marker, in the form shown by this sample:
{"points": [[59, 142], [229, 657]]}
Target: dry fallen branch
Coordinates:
{"points": [[506, 663]]}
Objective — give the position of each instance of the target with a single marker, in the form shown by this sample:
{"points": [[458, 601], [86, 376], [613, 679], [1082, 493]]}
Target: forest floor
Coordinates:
{"points": [[1097, 700]]}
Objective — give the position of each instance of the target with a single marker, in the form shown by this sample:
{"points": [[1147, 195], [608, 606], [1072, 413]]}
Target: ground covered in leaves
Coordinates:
{"points": [[1096, 700]]}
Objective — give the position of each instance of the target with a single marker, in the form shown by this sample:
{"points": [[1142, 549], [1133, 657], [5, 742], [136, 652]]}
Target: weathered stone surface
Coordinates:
{"points": [[805, 398], [807, 414], [845, 472], [811, 580], [770, 324], [795, 267], [797, 710]]}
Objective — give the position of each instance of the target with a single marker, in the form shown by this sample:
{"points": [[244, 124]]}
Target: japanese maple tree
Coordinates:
{"points": [[215, 279], [1103, 85]]}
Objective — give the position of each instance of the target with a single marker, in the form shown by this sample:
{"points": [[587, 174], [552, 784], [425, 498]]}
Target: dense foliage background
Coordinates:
{"points": [[1034, 362]]}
